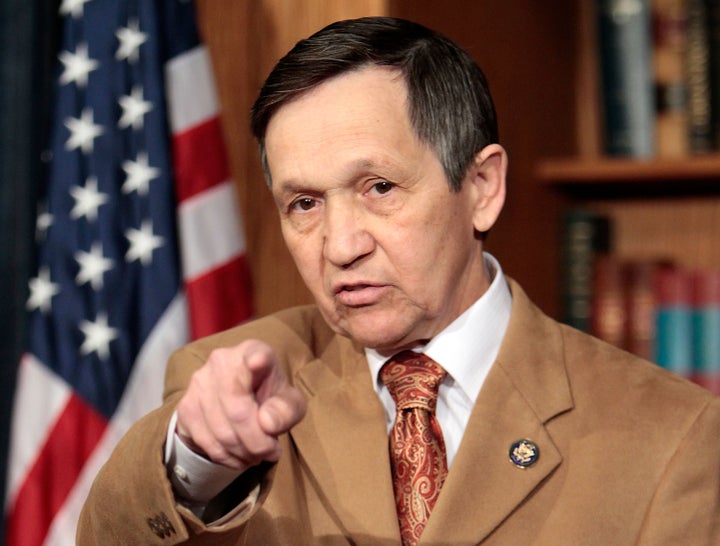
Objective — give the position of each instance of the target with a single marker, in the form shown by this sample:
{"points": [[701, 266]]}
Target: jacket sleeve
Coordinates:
{"points": [[686, 505], [131, 500]]}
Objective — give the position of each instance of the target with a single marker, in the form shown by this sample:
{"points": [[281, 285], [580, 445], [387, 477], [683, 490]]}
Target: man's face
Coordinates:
{"points": [[388, 251]]}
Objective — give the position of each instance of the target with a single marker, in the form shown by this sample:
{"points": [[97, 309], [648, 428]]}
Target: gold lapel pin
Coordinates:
{"points": [[524, 453]]}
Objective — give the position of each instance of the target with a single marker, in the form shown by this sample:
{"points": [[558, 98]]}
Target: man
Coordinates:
{"points": [[380, 146]]}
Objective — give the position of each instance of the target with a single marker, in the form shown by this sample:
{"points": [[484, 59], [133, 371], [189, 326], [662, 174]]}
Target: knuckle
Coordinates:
{"points": [[240, 411]]}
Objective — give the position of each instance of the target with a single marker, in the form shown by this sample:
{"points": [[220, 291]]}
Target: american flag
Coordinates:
{"points": [[140, 249]]}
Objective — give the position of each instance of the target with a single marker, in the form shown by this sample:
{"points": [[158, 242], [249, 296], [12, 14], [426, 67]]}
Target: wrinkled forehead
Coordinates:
{"points": [[354, 101]]}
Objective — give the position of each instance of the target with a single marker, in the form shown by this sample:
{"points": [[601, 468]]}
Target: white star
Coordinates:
{"points": [[98, 336], [73, 7], [134, 108], [130, 41], [42, 223], [93, 266], [142, 243], [77, 66], [87, 200], [139, 174], [41, 291], [82, 131]]}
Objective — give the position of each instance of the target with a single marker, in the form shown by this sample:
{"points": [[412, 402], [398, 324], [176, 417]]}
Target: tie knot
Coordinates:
{"points": [[413, 380]]}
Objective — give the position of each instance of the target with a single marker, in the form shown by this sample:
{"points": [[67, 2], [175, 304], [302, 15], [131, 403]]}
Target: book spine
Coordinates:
{"points": [[641, 306], [706, 329], [584, 235], [673, 343], [698, 77], [625, 52], [670, 55]]}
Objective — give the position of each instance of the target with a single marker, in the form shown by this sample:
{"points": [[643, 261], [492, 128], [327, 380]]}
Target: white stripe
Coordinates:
{"points": [[142, 394], [40, 398], [210, 231], [190, 89]]}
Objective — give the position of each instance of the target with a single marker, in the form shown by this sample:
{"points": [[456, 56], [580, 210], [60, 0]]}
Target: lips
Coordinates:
{"points": [[358, 294], [353, 288]]}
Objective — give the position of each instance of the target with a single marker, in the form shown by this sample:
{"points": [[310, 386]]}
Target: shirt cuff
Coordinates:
{"points": [[193, 477]]}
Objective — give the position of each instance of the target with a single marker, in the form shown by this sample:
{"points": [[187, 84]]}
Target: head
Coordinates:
{"points": [[383, 200], [449, 102]]}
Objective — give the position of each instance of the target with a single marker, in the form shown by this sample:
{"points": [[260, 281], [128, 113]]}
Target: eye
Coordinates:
{"points": [[383, 186], [303, 204]]}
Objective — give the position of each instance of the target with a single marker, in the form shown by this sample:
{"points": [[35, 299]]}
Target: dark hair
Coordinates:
{"points": [[450, 106]]}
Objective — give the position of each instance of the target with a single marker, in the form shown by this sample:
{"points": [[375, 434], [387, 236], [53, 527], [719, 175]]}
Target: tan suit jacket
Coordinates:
{"points": [[628, 452]]}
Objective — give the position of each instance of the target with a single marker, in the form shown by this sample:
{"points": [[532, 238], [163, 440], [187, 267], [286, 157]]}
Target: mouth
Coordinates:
{"points": [[351, 287], [358, 294]]}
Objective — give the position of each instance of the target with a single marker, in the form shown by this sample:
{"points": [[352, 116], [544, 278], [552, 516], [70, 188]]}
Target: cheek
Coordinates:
{"points": [[307, 255], [418, 258], [432, 257]]}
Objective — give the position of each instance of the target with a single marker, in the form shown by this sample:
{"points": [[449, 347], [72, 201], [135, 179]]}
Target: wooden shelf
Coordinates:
{"points": [[607, 171]]}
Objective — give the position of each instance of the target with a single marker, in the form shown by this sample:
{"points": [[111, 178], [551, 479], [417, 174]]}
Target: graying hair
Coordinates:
{"points": [[450, 106]]}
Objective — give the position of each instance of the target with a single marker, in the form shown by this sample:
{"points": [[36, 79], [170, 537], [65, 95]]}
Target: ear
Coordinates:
{"points": [[487, 174]]}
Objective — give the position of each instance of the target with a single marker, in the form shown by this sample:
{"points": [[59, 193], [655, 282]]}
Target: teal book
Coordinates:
{"points": [[674, 321], [706, 329]]}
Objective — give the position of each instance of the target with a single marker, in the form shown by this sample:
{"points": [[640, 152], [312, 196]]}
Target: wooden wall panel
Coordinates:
{"points": [[245, 38]]}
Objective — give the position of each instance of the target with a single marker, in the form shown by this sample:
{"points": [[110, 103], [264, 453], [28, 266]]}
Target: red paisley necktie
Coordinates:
{"points": [[417, 449]]}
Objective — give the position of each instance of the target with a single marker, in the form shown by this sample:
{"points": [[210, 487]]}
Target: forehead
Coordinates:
{"points": [[361, 87], [342, 118]]}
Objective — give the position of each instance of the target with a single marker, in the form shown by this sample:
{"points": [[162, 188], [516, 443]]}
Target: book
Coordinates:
{"points": [[706, 329], [670, 65], [641, 305], [625, 55], [697, 61], [585, 235], [673, 320]]}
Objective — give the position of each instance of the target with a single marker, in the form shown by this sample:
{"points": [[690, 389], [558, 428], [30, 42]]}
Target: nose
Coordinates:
{"points": [[346, 238]]}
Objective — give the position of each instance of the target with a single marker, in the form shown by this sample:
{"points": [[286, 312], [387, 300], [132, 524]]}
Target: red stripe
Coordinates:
{"points": [[200, 160], [220, 298], [52, 476]]}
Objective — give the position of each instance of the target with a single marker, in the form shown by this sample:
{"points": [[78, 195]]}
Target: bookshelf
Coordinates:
{"points": [[660, 207]]}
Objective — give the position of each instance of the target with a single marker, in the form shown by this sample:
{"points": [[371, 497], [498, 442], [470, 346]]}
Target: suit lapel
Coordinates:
{"points": [[343, 442], [526, 387]]}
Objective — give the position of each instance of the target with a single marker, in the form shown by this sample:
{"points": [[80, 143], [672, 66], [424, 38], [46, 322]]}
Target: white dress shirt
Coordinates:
{"points": [[466, 349]]}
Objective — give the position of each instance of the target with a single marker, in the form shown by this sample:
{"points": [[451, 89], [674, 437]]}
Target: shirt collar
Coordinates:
{"points": [[468, 346]]}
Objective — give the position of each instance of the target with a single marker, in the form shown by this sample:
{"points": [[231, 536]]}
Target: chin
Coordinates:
{"points": [[372, 327], [377, 337]]}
